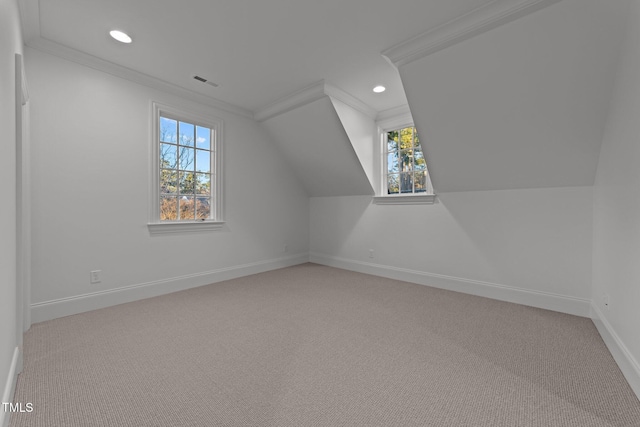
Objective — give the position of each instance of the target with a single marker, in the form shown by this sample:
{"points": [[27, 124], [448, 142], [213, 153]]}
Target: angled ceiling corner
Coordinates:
{"points": [[30, 20], [471, 24], [505, 104], [358, 122], [316, 129]]}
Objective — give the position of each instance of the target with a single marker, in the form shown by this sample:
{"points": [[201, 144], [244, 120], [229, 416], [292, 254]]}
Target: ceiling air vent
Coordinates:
{"points": [[203, 80]]}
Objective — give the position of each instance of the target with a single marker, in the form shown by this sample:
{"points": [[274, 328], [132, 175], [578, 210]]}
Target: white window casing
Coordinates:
{"points": [[397, 123], [210, 217]]}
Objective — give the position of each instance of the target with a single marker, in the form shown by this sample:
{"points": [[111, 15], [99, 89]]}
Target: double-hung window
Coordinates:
{"points": [[187, 170], [406, 169], [405, 179]]}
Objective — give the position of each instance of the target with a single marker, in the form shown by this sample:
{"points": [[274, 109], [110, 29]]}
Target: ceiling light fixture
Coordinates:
{"points": [[120, 36], [379, 89]]}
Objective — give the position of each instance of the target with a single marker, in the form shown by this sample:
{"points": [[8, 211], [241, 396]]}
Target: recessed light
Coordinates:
{"points": [[379, 89], [120, 36]]}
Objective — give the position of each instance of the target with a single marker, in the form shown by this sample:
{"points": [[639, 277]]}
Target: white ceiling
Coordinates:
{"points": [[258, 51]]}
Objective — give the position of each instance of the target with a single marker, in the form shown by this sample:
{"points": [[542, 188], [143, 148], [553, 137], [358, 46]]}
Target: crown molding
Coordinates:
{"points": [[471, 24], [29, 19], [350, 100], [395, 112], [395, 118], [306, 96], [290, 102], [295, 100], [96, 63]]}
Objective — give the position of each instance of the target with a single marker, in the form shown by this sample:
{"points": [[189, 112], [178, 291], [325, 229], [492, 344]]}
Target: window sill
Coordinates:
{"points": [[184, 227], [423, 199]]}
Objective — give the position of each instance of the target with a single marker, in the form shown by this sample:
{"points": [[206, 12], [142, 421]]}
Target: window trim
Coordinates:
{"points": [[156, 226], [405, 199], [382, 197]]}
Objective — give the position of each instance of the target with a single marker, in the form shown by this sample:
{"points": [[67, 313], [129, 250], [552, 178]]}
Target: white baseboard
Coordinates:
{"points": [[546, 300], [53, 309], [628, 364], [10, 387]]}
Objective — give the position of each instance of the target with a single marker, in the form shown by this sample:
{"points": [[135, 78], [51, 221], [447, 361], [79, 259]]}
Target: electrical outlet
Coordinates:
{"points": [[96, 276], [605, 301], [371, 253]]}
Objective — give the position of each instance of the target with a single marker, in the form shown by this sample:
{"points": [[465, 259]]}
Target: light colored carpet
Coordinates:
{"points": [[316, 346]]}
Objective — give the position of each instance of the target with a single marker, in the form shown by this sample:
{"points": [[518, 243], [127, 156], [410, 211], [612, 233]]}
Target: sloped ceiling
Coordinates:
{"points": [[362, 132], [506, 94], [521, 106], [313, 141]]}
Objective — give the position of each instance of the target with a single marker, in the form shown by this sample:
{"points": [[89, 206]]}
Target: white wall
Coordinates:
{"points": [[90, 159], [529, 246], [10, 44], [616, 266], [363, 134]]}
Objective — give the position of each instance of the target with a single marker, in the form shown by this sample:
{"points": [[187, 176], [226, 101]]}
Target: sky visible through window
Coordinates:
{"points": [[186, 158]]}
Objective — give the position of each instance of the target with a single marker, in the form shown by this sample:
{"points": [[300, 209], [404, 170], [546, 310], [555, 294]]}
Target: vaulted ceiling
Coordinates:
{"points": [[505, 93], [523, 105]]}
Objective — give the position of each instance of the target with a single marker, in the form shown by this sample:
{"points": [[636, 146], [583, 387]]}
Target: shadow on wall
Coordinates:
{"points": [[534, 239], [335, 222]]}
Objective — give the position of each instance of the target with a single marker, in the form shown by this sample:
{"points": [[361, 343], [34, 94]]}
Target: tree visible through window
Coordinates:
{"points": [[406, 168], [187, 153]]}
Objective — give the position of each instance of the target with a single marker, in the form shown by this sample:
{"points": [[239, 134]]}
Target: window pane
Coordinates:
{"points": [[168, 208], [186, 158], [168, 156], [406, 170], [393, 184], [203, 183], [420, 163], [187, 183], [406, 183], [406, 159], [420, 180], [392, 162], [392, 140], [168, 130], [406, 138], [168, 181], [187, 207], [203, 161], [203, 208], [187, 133], [186, 167], [203, 138]]}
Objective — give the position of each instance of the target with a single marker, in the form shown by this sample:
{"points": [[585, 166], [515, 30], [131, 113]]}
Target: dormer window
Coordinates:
{"points": [[405, 178], [406, 168]]}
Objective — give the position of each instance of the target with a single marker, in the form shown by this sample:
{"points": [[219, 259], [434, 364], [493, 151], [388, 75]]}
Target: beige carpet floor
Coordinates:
{"points": [[316, 346]]}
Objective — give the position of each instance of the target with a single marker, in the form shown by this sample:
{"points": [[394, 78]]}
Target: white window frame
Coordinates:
{"points": [[216, 222], [382, 197]]}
